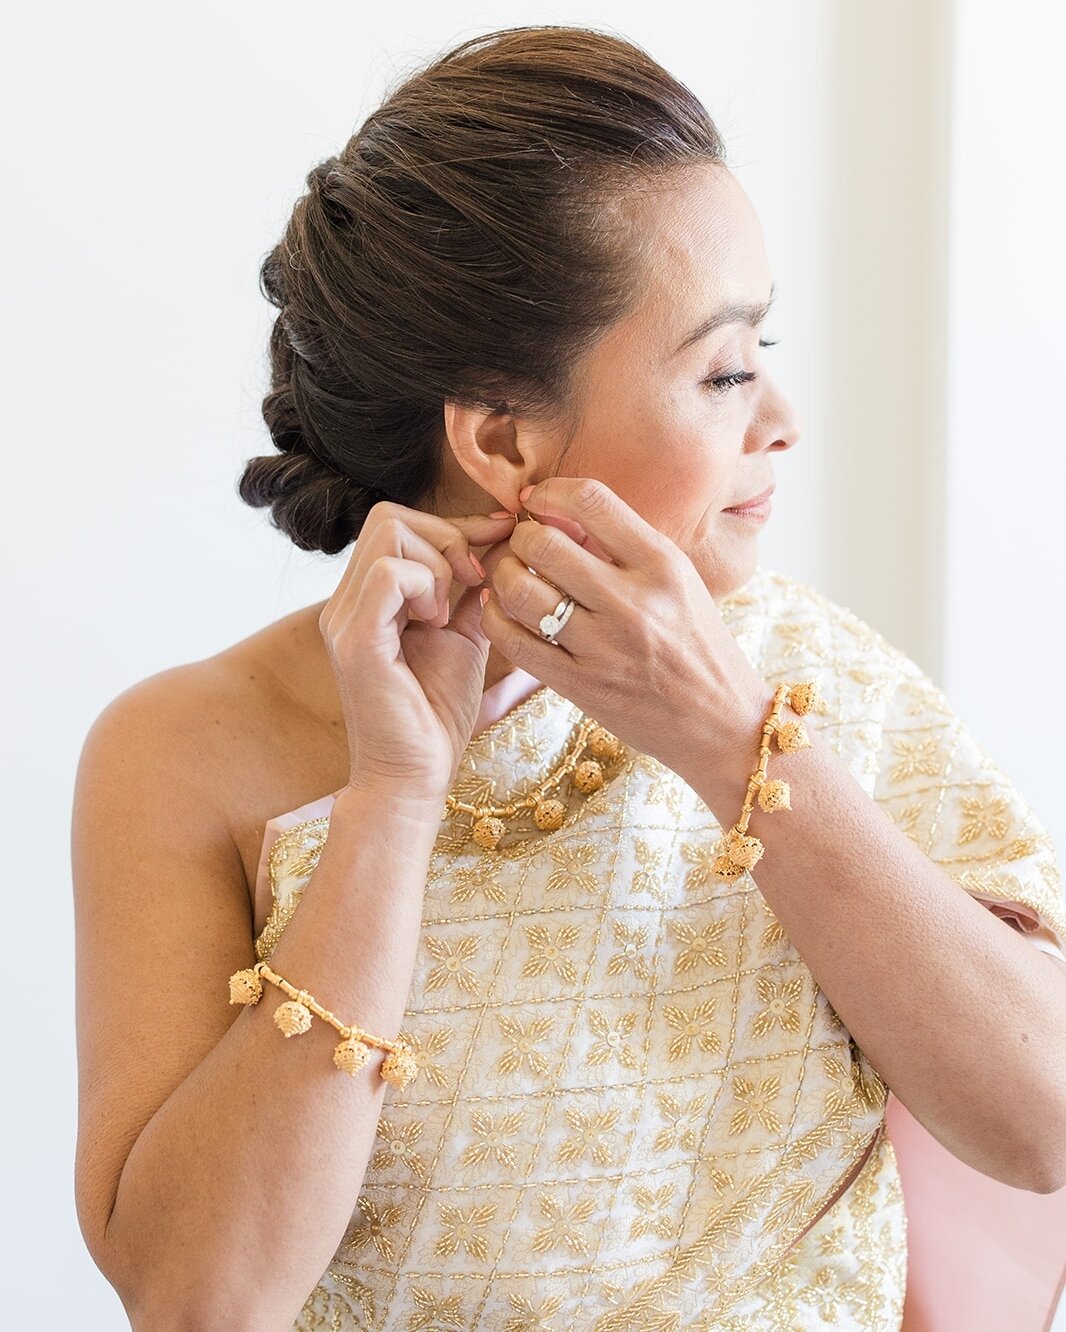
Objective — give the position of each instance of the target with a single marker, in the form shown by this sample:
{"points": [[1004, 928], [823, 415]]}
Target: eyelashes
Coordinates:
{"points": [[723, 383]]}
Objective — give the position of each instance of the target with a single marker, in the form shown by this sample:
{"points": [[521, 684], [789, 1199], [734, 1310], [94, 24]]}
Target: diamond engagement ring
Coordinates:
{"points": [[551, 624]]}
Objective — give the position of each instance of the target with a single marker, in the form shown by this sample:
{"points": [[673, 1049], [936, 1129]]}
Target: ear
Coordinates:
{"points": [[493, 448]]}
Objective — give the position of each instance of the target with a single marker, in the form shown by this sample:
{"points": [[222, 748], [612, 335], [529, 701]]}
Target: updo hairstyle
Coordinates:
{"points": [[465, 244]]}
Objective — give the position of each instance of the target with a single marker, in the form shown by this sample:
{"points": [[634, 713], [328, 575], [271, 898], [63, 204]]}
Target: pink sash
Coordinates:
{"points": [[981, 1256]]}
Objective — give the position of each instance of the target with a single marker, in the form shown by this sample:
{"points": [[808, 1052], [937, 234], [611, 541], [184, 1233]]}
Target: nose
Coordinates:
{"points": [[776, 426]]}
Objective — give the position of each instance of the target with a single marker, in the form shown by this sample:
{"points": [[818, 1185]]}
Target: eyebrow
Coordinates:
{"points": [[729, 314]]}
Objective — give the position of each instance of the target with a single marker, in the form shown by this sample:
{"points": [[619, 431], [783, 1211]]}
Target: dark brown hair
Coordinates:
{"points": [[461, 246]]}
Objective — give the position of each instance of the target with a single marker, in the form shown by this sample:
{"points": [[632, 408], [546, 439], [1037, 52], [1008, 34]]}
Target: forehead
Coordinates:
{"points": [[699, 244]]}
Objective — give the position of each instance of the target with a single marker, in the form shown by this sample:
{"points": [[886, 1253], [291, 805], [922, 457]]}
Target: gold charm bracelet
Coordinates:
{"points": [[737, 851], [398, 1067]]}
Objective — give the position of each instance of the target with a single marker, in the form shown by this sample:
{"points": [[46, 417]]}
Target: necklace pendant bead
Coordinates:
{"points": [[588, 776], [549, 814], [603, 744], [487, 832]]}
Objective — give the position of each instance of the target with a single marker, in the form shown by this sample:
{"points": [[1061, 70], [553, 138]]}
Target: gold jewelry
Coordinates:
{"points": [[398, 1067], [548, 811], [736, 851]]}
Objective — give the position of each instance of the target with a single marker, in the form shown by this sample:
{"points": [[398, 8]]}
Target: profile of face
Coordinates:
{"points": [[681, 421]]}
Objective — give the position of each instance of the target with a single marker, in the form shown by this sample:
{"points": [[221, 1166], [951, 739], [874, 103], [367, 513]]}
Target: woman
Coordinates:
{"points": [[592, 1071]]}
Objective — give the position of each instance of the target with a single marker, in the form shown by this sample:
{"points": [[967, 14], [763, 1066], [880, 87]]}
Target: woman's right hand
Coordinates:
{"points": [[410, 681]]}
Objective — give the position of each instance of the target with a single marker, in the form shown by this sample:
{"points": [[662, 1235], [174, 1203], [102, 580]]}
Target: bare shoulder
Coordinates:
{"points": [[215, 747]]}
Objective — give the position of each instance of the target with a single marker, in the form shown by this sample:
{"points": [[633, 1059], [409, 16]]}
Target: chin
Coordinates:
{"points": [[725, 572]]}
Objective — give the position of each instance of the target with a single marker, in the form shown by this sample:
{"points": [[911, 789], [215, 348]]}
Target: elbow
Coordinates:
{"points": [[1052, 1176]]}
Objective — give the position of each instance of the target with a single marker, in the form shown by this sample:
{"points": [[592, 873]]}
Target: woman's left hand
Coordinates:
{"points": [[645, 651]]}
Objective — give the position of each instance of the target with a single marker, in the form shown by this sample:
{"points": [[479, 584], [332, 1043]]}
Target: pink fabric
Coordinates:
{"points": [[981, 1256]]}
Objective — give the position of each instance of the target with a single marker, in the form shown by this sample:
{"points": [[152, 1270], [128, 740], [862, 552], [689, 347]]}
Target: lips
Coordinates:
{"points": [[755, 499]]}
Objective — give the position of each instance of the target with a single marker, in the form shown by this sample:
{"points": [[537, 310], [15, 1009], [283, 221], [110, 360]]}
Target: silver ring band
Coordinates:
{"points": [[551, 624]]}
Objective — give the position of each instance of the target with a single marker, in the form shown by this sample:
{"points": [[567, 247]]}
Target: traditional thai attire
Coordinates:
{"points": [[634, 1107]]}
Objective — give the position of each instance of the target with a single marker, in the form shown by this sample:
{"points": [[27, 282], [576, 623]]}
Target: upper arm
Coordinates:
{"points": [[162, 917]]}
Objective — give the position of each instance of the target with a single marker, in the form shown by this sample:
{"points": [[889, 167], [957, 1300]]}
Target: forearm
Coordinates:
{"points": [[960, 1016], [236, 1194]]}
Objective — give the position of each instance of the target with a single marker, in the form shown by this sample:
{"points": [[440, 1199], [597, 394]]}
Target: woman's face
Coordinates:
{"points": [[662, 423]]}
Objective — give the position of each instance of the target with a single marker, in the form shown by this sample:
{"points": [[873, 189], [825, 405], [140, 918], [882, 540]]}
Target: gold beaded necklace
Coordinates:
{"points": [[548, 810]]}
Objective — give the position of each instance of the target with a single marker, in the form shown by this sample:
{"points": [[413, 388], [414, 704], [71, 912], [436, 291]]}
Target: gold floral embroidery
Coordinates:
{"points": [[916, 757], [984, 816], [434, 1312], [701, 857], [373, 1228], [524, 1038], [494, 1132], [774, 933], [478, 879], [693, 1025], [657, 1215], [800, 640], [699, 947], [452, 963], [612, 1042], [571, 868], [464, 1227], [424, 1046], [682, 1122], [648, 879], [509, 1079], [780, 999], [565, 1225], [755, 1104], [400, 1140], [530, 1317], [547, 950], [589, 1127], [630, 958]]}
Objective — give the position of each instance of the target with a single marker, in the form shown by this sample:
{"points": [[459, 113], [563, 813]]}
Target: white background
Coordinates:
{"points": [[905, 159]]}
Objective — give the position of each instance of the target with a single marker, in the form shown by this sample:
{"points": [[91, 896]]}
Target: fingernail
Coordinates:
{"points": [[525, 493], [501, 513], [477, 564], [484, 594]]}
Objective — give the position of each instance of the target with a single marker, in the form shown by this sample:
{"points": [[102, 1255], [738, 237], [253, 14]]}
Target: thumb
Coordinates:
{"points": [[466, 617]]}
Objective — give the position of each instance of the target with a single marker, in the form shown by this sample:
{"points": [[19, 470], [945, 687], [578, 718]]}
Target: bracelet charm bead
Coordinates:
{"points": [[294, 1017], [738, 850]]}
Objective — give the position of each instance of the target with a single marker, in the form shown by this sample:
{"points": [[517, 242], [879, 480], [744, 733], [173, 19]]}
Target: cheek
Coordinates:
{"points": [[667, 460]]}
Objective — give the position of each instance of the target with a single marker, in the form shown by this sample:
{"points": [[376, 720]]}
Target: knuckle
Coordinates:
{"points": [[537, 540], [391, 526], [590, 495]]}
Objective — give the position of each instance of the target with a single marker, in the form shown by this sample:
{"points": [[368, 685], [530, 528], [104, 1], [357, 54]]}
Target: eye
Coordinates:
{"points": [[723, 383]]}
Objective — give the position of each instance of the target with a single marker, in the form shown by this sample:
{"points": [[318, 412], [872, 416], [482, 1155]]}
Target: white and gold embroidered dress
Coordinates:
{"points": [[634, 1107]]}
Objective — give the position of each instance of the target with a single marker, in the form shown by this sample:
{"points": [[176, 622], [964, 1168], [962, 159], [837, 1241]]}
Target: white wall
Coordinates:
{"points": [[151, 157]]}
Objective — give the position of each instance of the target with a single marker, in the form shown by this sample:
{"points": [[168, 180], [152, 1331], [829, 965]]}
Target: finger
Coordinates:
{"points": [[527, 599], [466, 617], [452, 536], [414, 546], [555, 557], [615, 530], [391, 586], [527, 647]]}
